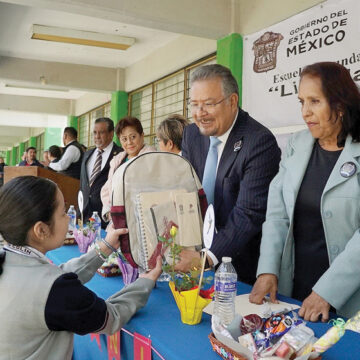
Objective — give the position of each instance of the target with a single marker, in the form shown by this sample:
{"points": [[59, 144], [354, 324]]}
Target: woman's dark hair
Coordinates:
{"points": [[55, 151], [128, 121], [342, 95], [172, 128], [24, 201]]}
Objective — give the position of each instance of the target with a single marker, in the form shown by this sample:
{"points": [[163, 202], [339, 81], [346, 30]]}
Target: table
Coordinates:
{"points": [[160, 319]]}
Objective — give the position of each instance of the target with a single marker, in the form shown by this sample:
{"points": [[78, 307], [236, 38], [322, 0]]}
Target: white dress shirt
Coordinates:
{"points": [[104, 158], [223, 138], [71, 155]]}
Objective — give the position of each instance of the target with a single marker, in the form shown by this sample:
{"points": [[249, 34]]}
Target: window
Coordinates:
{"points": [[83, 129], [40, 141], [154, 102], [86, 124]]}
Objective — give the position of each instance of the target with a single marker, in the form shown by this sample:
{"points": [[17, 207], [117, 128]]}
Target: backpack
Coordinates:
{"points": [[148, 184]]}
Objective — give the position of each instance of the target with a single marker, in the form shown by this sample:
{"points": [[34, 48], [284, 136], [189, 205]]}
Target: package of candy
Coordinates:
{"points": [[298, 337], [250, 323], [353, 323], [247, 341], [331, 337], [274, 328]]}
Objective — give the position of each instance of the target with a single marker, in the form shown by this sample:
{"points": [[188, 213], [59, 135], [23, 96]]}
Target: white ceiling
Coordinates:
{"points": [[16, 22], [77, 69]]}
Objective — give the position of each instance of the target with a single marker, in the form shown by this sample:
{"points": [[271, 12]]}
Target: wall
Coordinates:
{"points": [[88, 102], [175, 55]]}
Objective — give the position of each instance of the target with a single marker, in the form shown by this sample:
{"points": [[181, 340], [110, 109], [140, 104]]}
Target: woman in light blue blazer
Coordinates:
{"points": [[310, 247]]}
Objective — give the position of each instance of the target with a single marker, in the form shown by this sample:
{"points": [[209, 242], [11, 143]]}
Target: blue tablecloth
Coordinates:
{"points": [[160, 319]]}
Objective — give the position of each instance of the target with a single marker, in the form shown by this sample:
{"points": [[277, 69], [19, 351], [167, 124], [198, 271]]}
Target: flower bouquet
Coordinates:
{"points": [[86, 235], [185, 286]]}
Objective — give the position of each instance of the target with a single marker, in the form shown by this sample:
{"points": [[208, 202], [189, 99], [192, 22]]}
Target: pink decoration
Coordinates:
{"points": [[113, 345], [84, 237], [129, 273], [142, 347], [97, 338]]}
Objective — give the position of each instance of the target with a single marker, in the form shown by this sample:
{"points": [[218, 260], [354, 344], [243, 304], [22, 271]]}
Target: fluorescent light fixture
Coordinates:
{"points": [[21, 87], [79, 37]]}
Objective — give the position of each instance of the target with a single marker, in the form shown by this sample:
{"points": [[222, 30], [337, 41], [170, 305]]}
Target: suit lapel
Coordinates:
{"points": [[87, 156], [349, 153], [114, 151], [229, 154]]}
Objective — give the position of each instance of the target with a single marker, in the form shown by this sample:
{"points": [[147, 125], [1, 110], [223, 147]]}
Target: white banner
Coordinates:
{"points": [[274, 57]]}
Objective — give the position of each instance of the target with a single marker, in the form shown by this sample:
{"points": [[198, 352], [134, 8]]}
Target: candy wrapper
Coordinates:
{"points": [[274, 328], [331, 337], [353, 323], [251, 323]]}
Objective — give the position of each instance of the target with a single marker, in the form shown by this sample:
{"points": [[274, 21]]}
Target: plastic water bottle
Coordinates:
{"points": [[72, 215], [97, 225], [225, 291]]}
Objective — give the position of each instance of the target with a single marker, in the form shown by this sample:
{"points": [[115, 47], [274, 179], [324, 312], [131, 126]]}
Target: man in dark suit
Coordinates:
{"points": [[235, 170], [95, 166]]}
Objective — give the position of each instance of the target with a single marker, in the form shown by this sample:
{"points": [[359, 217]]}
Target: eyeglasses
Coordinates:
{"points": [[126, 139], [207, 106]]}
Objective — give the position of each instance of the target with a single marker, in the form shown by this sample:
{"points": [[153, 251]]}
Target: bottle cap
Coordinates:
{"points": [[226, 259]]}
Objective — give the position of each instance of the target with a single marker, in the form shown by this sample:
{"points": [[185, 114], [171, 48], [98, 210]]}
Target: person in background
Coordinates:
{"points": [[70, 161], [131, 135], [169, 133], [30, 158], [310, 247], [46, 160], [23, 156], [235, 158], [44, 304], [95, 167], [54, 153], [2, 165]]}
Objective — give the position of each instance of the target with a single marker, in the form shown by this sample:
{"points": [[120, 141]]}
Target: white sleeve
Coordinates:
{"points": [[71, 155]]}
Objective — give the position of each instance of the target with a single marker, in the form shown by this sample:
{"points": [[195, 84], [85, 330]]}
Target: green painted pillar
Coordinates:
{"points": [[7, 161], [230, 54], [32, 141], [53, 136], [21, 151], [119, 108], [13, 156], [73, 122]]}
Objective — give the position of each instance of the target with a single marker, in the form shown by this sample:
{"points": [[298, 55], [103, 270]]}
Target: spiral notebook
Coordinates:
{"points": [[148, 234]]}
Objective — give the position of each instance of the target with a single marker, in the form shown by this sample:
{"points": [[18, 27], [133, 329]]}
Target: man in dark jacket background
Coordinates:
{"points": [[70, 161], [95, 166]]}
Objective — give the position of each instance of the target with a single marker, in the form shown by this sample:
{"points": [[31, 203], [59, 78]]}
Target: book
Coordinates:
{"points": [[188, 219], [147, 231]]}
